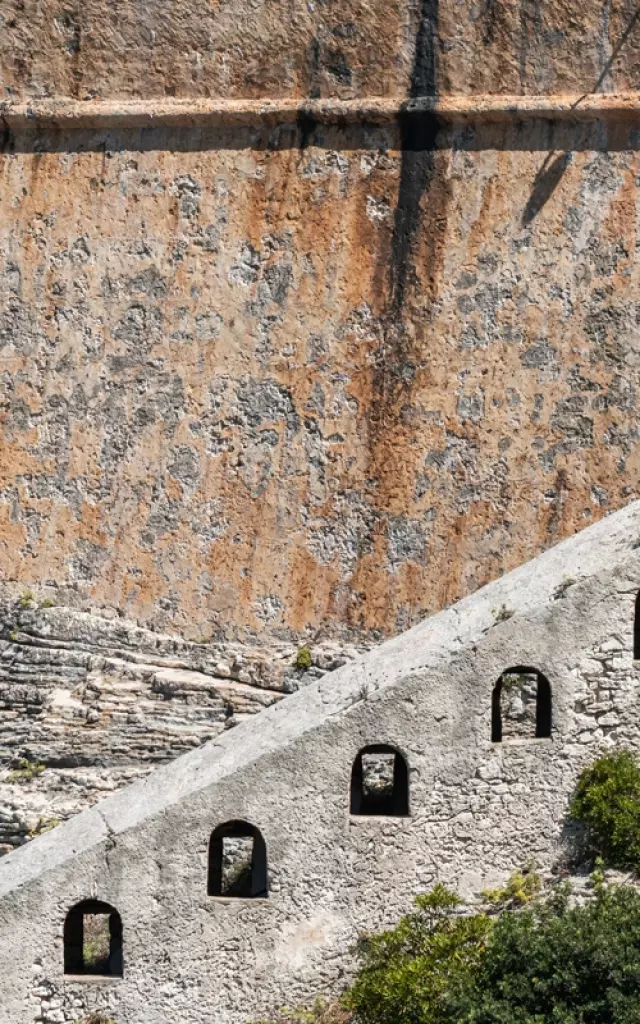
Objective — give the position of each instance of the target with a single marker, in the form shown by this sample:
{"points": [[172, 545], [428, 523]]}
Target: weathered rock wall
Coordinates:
{"points": [[268, 380], [477, 809], [244, 395], [256, 49]]}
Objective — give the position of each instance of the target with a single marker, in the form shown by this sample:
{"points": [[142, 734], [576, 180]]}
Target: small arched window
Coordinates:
{"points": [[93, 940], [521, 705], [380, 782], [636, 631], [237, 861]]}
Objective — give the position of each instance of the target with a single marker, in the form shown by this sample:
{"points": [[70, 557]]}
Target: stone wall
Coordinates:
{"points": [[275, 376], [477, 809], [131, 48], [284, 375], [210, 422]]}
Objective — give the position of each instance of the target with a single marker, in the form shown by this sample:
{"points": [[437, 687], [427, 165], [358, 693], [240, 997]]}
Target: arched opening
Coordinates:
{"points": [[521, 706], [237, 862], [380, 783], [93, 940], [636, 631]]}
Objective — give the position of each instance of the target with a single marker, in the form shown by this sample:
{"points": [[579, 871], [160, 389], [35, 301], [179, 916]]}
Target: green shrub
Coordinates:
{"points": [[554, 963], [607, 801], [26, 771], [303, 659], [407, 973], [549, 963]]}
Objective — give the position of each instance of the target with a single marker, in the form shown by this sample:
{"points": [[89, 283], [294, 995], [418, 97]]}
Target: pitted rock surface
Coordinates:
{"points": [[277, 382]]}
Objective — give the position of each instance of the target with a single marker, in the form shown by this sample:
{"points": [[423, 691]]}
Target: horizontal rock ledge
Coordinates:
{"points": [[375, 109]]}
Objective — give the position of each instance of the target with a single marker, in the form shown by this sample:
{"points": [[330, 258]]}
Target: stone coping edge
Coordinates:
{"points": [[193, 112]]}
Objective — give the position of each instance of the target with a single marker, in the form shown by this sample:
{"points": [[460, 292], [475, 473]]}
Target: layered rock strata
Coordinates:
{"points": [[88, 703]]}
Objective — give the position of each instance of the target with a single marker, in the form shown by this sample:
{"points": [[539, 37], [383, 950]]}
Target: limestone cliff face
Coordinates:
{"points": [[275, 379], [89, 703], [243, 394], [195, 48]]}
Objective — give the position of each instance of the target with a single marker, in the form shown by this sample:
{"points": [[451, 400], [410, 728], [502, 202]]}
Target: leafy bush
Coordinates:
{"points": [[550, 963], [407, 973], [554, 963], [607, 801], [303, 659]]}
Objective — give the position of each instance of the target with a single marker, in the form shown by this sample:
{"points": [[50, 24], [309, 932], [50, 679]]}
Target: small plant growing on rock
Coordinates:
{"points": [[563, 587], [607, 801], [26, 771], [44, 825], [25, 599], [47, 603], [520, 889], [322, 1012], [502, 614], [303, 659]]}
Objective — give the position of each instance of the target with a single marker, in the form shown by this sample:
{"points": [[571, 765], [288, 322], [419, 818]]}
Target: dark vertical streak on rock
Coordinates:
{"points": [[418, 134], [395, 362], [490, 17], [604, 42], [530, 21], [314, 70], [414, 254], [523, 48]]}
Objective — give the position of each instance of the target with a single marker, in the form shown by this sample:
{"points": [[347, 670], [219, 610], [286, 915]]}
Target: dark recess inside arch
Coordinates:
{"points": [[74, 940], [543, 703], [252, 884], [392, 802]]}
